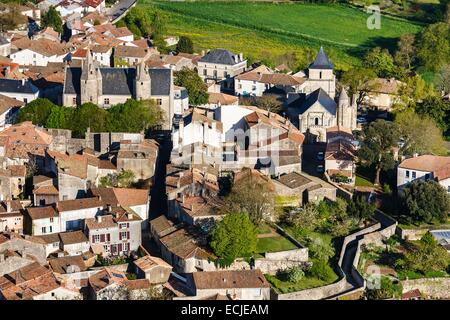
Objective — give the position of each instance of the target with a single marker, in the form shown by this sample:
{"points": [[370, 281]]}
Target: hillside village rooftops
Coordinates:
{"points": [[67, 264], [221, 56], [387, 86], [37, 213], [321, 61], [438, 165], [73, 237], [222, 98], [17, 86], [44, 47], [340, 149], [319, 96], [78, 204], [14, 205], [162, 226], [199, 206], [129, 51], [125, 197], [184, 244], [120, 81], [149, 262], [294, 180], [230, 279]]}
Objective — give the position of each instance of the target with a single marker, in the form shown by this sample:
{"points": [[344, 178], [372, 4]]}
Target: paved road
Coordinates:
{"points": [[115, 12]]}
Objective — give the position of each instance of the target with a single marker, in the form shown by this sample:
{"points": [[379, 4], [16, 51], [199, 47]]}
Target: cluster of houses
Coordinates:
{"points": [[64, 218]]}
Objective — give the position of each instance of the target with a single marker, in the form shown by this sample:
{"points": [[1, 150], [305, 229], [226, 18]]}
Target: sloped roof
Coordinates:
{"points": [[438, 165], [220, 56], [230, 279], [17, 86], [322, 61], [322, 98]]}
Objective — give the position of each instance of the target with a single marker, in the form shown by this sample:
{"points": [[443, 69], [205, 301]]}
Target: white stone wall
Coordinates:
{"points": [[50, 226], [29, 57], [248, 87]]}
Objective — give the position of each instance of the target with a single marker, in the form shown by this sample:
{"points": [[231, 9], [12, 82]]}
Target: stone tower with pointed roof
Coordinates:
{"points": [[90, 80], [142, 83], [320, 75], [346, 113]]}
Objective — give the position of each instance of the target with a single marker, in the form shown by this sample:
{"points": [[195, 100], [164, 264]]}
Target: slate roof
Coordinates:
{"points": [[120, 81], [320, 96], [219, 56], [16, 86], [322, 61]]}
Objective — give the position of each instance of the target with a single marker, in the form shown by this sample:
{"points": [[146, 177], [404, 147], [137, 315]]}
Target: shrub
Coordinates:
{"points": [[295, 274], [321, 270]]}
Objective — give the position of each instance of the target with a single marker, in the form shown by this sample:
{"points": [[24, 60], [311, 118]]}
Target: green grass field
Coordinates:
{"points": [[267, 30], [274, 244]]}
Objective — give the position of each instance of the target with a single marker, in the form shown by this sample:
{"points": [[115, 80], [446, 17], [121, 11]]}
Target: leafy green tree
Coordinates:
{"points": [[433, 46], [295, 274], [381, 61], [60, 118], [185, 44], [437, 109], [197, 89], [321, 269], [360, 82], [158, 27], [88, 115], [412, 92], [426, 201], [388, 289], [426, 256], [377, 142], [52, 18], [235, 236], [138, 21], [420, 134], [318, 248], [360, 208], [306, 217], [252, 195], [134, 116], [123, 179], [36, 111]]}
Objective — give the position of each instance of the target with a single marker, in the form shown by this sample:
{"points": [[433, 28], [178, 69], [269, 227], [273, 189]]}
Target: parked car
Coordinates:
{"points": [[361, 120]]}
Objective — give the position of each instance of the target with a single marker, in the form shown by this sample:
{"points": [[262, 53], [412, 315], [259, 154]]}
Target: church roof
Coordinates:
{"points": [[220, 56], [322, 61], [322, 98], [343, 96], [120, 81]]}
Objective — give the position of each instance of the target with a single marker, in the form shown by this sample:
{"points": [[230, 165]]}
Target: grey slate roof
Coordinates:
{"points": [[321, 61], [16, 86], [320, 96], [219, 56], [120, 81]]}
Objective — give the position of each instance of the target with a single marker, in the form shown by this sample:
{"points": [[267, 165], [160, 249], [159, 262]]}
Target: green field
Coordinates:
{"points": [[267, 30], [274, 244]]}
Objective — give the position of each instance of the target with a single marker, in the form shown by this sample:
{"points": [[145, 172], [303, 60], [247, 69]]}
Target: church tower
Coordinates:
{"points": [[89, 81], [320, 75], [346, 112], [142, 83]]}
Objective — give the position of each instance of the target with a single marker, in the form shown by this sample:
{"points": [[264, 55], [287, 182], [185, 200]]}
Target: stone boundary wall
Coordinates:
{"points": [[300, 255], [411, 234], [437, 288], [341, 192]]}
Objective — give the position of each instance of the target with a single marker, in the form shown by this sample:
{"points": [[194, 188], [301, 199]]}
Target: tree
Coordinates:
{"points": [[235, 236], [88, 115], [443, 79], [52, 18], [405, 54], [437, 109], [412, 91], [426, 201], [361, 208], [381, 61], [321, 269], [11, 18], [306, 217], [123, 179], [433, 46], [196, 88], [158, 26], [134, 116], [387, 290], [420, 134], [266, 102], [377, 142], [185, 44], [426, 256], [138, 21], [60, 117], [360, 82], [36, 111], [252, 195]]}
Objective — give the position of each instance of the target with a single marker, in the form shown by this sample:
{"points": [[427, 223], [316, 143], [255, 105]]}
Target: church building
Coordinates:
{"points": [[107, 86], [315, 108]]}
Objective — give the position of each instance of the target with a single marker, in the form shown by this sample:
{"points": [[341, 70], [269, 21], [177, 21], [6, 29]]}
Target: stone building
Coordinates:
{"points": [[109, 86]]}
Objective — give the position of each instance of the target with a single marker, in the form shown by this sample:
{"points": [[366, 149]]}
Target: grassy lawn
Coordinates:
{"points": [[284, 201], [263, 228], [266, 30], [274, 244], [308, 282], [362, 182]]}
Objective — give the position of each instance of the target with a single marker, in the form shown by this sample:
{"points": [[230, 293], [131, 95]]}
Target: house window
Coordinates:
{"points": [[43, 230], [240, 86], [204, 72], [51, 219], [159, 102], [74, 100], [407, 174], [253, 88], [25, 100], [225, 74], [91, 99], [55, 244], [106, 101], [316, 121], [427, 176], [123, 235], [215, 73], [320, 75], [413, 174], [95, 238], [50, 229], [65, 197]]}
